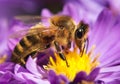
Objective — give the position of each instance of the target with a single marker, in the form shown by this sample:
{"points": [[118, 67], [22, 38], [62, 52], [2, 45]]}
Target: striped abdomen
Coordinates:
{"points": [[28, 45]]}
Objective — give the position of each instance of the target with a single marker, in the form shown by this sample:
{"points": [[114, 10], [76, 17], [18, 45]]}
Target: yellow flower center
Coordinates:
{"points": [[76, 63]]}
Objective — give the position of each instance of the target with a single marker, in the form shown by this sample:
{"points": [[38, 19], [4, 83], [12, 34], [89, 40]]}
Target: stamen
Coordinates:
{"points": [[95, 59], [91, 50]]}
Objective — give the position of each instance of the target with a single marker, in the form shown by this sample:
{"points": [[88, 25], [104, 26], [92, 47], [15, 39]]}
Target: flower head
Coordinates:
{"points": [[105, 28], [76, 63]]}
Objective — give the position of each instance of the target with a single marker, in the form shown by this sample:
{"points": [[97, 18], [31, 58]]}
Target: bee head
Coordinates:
{"points": [[81, 30]]}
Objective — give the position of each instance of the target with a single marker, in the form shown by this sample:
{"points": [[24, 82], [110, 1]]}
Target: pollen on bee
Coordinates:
{"points": [[3, 59]]}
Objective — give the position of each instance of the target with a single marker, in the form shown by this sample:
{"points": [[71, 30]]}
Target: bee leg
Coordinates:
{"points": [[60, 52], [35, 54], [22, 61]]}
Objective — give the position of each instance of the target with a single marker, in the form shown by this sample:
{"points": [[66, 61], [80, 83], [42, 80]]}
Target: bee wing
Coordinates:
{"points": [[27, 32], [30, 19]]}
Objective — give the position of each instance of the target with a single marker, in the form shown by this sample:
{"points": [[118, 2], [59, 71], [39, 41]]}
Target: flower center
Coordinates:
{"points": [[76, 63]]}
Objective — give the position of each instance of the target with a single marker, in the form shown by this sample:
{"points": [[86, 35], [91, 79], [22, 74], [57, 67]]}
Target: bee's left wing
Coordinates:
{"points": [[31, 19], [32, 30]]}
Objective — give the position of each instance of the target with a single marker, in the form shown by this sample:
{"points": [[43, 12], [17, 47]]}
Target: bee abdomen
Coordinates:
{"points": [[18, 49], [25, 43], [23, 47], [33, 39]]}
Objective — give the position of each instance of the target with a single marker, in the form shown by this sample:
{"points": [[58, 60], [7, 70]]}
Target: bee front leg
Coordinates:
{"points": [[59, 51], [35, 54]]}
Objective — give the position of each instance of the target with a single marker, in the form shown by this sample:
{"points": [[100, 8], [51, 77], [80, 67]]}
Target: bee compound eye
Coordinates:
{"points": [[79, 33]]}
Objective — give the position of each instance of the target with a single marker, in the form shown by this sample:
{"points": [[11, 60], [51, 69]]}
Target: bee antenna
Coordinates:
{"points": [[83, 50], [87, 44], [85, 47]]}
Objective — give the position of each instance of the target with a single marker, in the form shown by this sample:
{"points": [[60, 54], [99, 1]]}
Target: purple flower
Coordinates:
{"points": [[105, 28], [104, 34]]}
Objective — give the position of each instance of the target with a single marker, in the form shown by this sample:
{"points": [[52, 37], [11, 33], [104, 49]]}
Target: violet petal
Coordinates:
{"points": [[52, 77], [32, 66], [7, 66], [79, 77], [92, 76]]}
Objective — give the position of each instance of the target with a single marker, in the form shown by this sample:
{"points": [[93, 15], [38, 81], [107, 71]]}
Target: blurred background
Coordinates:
{"points": [[32, 7], [9, 8]]}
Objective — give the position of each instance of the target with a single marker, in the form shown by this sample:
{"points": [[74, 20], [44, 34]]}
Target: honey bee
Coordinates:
{"points": [[61, 32]]}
